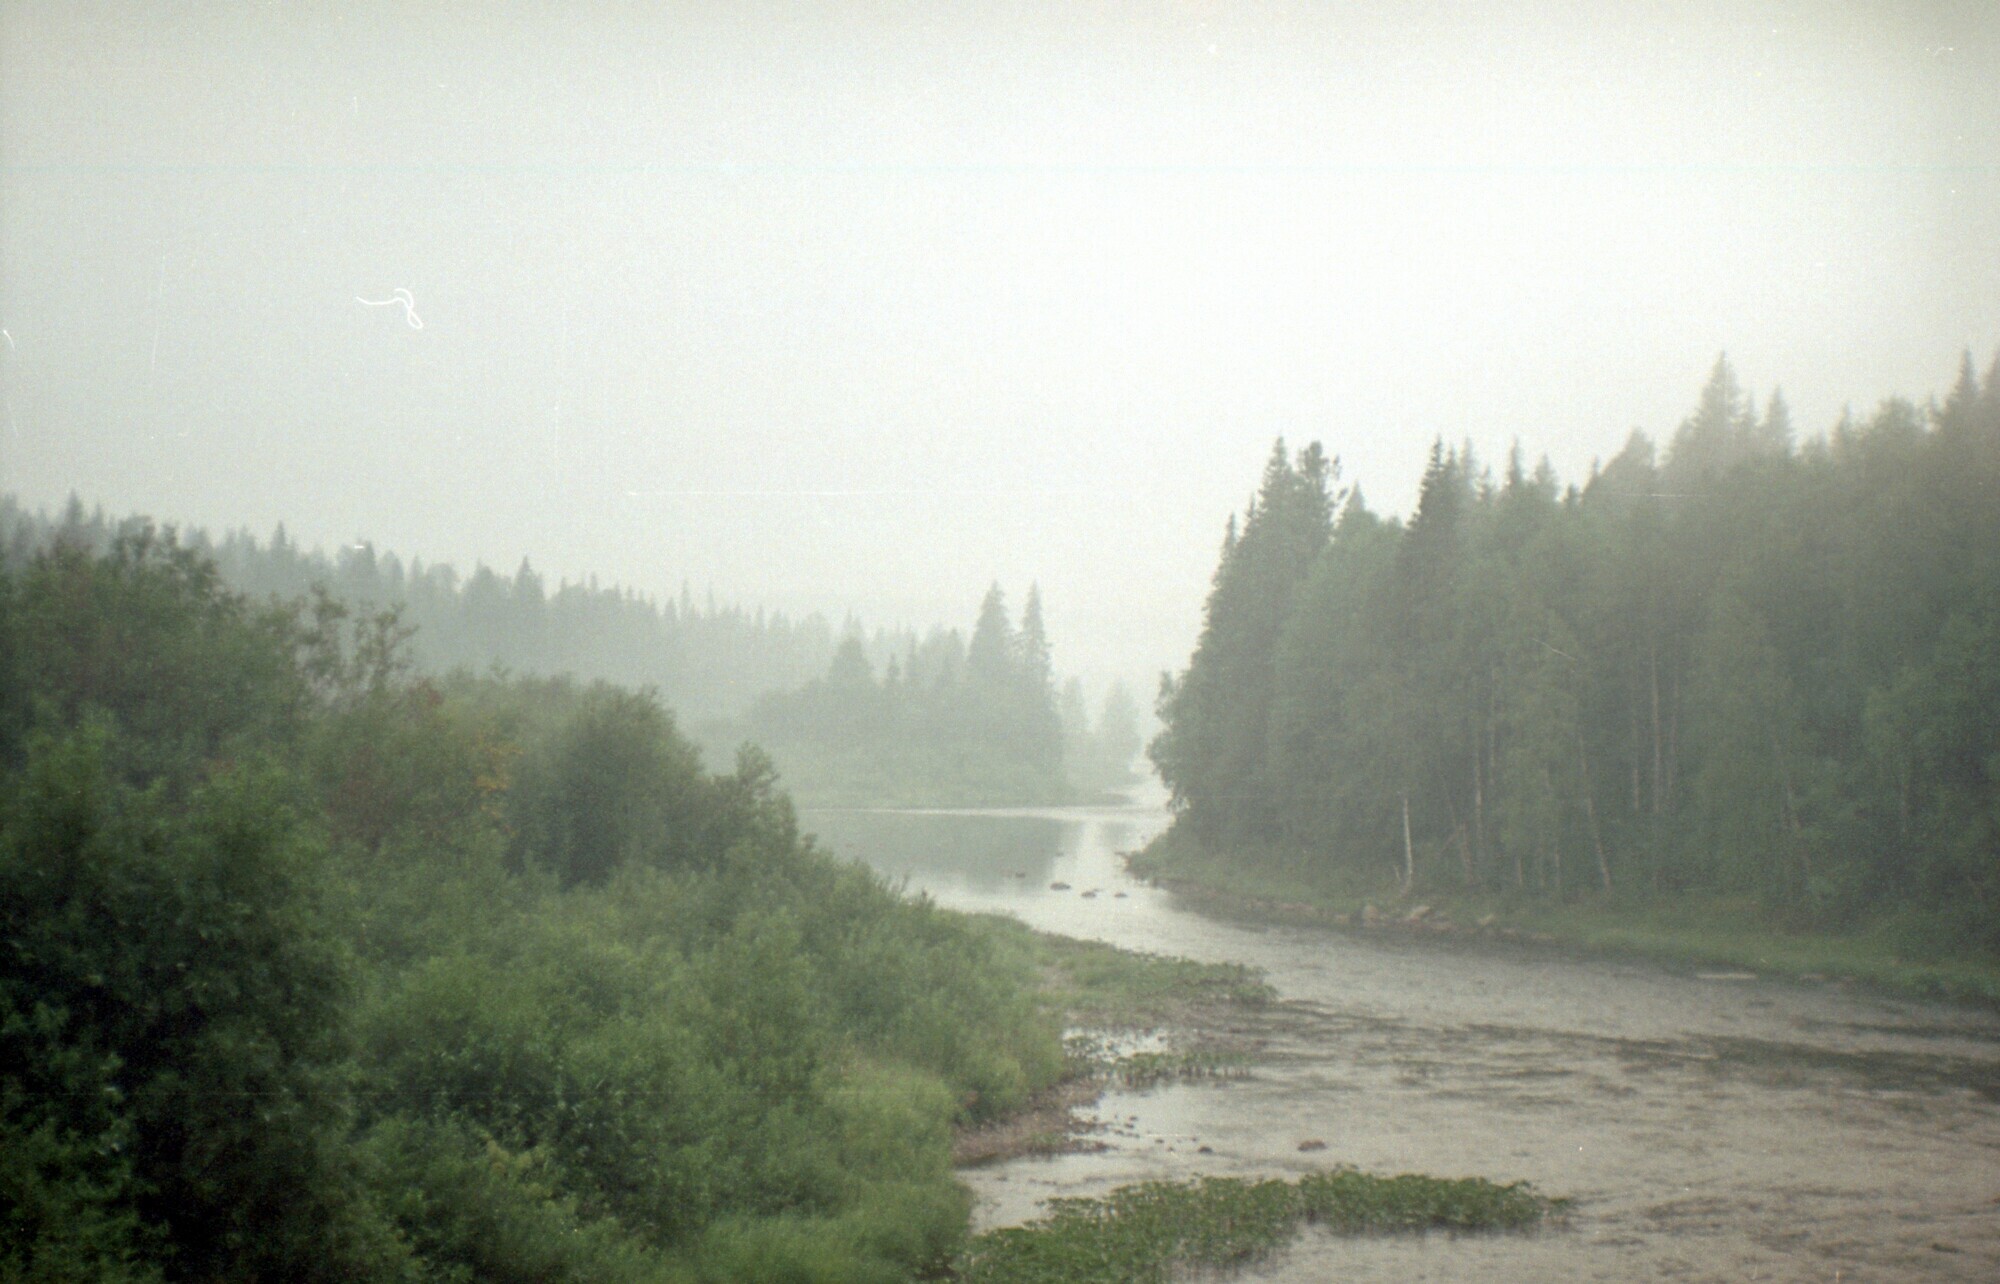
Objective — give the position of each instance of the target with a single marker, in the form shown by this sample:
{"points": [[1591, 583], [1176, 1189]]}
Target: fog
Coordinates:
{"points": [[859, 307]]}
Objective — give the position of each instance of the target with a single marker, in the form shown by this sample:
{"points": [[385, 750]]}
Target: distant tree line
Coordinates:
{"points": [[1750, 668], [707, 661], [1100, 755], [950, 720]]}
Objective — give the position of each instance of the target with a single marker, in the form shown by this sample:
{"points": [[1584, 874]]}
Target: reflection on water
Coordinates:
{"points": [[1709, 1129], [982, 856], [1047, 866]]}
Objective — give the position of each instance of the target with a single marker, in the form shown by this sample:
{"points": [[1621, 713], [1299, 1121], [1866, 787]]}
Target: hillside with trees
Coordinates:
{"points": [[707, 660], [1741, 669], [947, 721], [313, 968]]}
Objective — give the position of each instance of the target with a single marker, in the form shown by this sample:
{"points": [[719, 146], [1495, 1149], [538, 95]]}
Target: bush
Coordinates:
{"points": [[309, 971], [170, 1016]]}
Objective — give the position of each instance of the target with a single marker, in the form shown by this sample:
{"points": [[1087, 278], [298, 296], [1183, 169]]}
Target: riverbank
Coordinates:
{"points": [[1141, 1020], [1706, 933], [1703, 1128], [1126, 1016]]}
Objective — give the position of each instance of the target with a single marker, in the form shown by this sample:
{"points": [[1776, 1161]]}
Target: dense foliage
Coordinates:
{"points": [[312, 969], [1750, 670], [948, 722]]}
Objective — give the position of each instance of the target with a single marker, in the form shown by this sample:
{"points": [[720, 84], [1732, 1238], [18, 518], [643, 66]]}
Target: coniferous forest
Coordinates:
{"points": [[1737, 667], [949, 722]]}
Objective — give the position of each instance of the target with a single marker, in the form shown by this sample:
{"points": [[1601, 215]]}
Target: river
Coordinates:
{"points": [[1708, 1127]]}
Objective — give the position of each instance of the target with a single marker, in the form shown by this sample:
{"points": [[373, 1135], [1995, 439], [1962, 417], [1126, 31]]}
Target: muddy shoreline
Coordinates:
{"points": [[1048, 1125]]}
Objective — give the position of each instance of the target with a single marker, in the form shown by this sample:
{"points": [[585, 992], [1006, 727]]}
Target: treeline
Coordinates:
{"points": [[1749, 669], [707, 661], [314, 969], [949, 721]]}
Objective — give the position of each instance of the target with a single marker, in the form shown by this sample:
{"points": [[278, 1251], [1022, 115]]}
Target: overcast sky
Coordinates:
{"points": [[863, 306]]}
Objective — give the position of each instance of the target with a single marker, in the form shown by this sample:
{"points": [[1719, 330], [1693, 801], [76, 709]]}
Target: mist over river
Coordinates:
{"points": [[1707, 1128]]}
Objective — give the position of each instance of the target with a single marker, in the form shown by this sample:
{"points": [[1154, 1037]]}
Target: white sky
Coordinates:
{"points": [[860, 307]]}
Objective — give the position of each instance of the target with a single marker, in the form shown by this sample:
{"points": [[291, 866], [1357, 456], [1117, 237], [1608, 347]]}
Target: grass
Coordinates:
{"points": [[1134, 1019], [1725, 933], [1142, 1234], [1711, 931], [1099, 985]]}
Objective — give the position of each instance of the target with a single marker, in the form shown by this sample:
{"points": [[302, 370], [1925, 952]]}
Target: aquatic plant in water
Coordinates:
{"points": [[1139, 1234]]}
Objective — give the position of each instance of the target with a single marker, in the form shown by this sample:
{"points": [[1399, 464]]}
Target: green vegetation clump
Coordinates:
{"points": [[314, 969], [1102, 986], [1745, 670], [1142, 1234]]}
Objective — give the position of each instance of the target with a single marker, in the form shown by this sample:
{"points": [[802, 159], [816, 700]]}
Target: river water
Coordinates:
{"points": [[1707, 1127]]}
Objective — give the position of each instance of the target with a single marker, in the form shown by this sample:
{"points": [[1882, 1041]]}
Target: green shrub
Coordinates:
{"points": [[478, 1213], [312, 972], [170, 1017]]}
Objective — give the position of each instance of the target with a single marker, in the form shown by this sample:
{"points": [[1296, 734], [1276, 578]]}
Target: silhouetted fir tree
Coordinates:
{"points": [[1710, 438], [1215, 715], [1959, 414], [1774, 430], [1035, 719], [990, 655]]}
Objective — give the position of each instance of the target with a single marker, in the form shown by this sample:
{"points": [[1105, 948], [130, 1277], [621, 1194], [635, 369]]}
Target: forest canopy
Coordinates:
{"points": [[1741, 666]]}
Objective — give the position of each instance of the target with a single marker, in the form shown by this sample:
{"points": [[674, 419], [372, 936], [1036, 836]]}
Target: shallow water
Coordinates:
{"points": [[1707, 1129]]}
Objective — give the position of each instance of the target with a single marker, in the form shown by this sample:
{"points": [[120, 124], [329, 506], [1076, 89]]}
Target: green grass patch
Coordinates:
{"points": [[1095, 984], [1726, 933], [1142, 1234], [1894, 954], [1092, 984]]}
